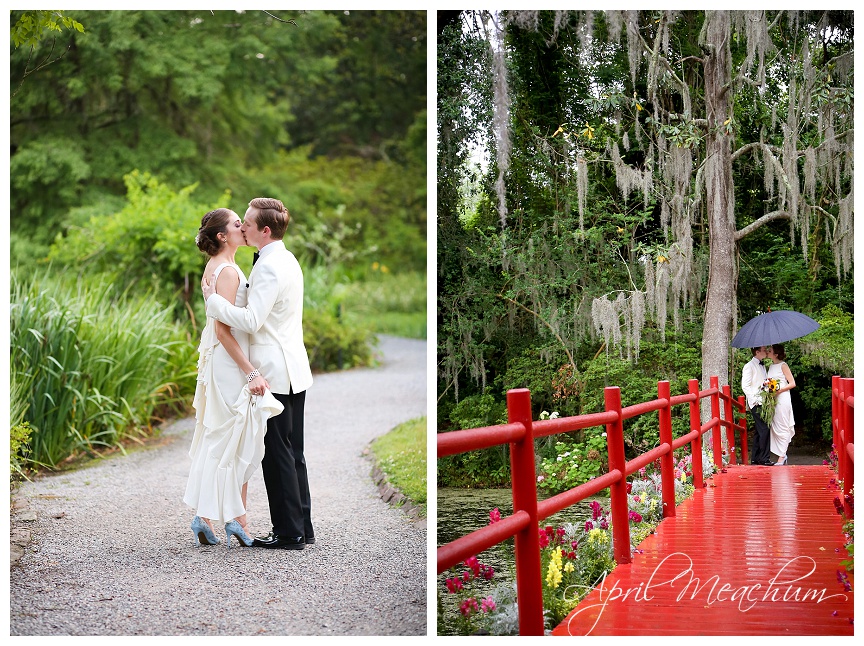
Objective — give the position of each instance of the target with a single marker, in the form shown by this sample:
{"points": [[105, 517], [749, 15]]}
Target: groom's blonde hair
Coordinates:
{"points": [[271, 213]]}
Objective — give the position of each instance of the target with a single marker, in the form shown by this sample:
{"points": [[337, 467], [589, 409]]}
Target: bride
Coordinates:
{"points": [[783, 422], [232, 399]]}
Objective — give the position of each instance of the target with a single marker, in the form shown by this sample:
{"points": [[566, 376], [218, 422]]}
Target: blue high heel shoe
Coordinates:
{"points": [[234, 528], [781, 462], [203, 533]]}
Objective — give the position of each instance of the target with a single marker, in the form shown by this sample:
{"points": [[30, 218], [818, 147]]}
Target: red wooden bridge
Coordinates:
{"points": [[756, 551]]}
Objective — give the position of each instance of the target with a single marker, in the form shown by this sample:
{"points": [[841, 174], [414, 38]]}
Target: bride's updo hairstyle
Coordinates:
{"points": [[212, 225], [271, 213], [779, 351]]}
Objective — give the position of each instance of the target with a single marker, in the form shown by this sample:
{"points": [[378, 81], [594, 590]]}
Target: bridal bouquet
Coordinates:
{"points": [[769, 398]]}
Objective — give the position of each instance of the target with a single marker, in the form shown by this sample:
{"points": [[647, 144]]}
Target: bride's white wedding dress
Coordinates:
{"points": [[783, 422], [230, 422]]}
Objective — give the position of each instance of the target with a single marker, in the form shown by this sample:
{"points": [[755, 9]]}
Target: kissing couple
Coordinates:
{"points": [[253, 373]]}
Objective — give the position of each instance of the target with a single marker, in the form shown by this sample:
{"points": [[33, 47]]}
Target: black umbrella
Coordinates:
{"points": [[774, 327]]}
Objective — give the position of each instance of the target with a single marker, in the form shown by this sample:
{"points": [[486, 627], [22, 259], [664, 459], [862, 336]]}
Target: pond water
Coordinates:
{"points": [[461, 511]]}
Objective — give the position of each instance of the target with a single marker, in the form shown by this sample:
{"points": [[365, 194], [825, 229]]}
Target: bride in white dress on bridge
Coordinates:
{"points": [[232, 400], [783, 422]]}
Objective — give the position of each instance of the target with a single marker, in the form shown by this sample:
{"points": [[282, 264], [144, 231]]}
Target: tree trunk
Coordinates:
{"points": [[720, 202]]}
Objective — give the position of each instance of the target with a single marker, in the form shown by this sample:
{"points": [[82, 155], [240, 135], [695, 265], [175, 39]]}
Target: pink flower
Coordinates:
{"points": [[494, 515], [468, 607], [635, 516], [544, 539], [604, 524], [487, 605], [487, 571], [454, 585], [595, 510], [588, 525]]}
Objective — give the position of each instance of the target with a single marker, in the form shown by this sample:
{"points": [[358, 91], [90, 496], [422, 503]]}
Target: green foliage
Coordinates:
{"points": [[573, 463], [19, 449], [386, 303], [676, 362], [485, 468], [829, 346], [214, 98], [30, 28], [150, 241], [95, 360], [332, 345]]}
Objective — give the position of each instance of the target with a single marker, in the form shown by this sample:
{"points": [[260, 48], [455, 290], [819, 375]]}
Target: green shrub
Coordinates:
{"points": [[19, 449], [95, 360], [332, 345]]}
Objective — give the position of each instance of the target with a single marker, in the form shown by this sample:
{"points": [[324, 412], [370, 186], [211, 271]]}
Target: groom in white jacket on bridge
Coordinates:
{"points": [[274, 317]]}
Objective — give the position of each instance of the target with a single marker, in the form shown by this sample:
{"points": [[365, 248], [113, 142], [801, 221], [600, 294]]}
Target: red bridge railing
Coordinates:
{"points": [[843, 425], [520, 433]]}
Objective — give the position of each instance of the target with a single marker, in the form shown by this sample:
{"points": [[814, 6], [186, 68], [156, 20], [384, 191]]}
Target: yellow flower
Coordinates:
{"points": [[375, 266], [553, 574], [568, 567], [384, 269]]}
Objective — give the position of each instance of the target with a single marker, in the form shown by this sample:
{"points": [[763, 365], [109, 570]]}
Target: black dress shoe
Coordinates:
{"points": [[276, 542], [310, 540]]}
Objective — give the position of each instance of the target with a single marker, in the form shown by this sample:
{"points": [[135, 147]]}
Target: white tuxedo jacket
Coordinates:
{"points": [[273, 317], [752, 377]]}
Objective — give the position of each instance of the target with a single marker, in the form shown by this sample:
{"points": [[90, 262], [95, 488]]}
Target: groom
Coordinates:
{"points": [[274, 317], [752, 377]]}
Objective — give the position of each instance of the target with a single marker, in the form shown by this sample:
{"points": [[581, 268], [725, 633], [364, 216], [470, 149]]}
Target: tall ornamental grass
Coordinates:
{"points": [[95, 360]]}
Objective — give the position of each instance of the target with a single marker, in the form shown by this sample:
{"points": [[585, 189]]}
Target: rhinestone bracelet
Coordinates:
{"points": [[252, 375]]}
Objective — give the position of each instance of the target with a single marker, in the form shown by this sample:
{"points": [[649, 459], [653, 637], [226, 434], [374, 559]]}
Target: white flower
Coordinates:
{"points": [[559, 458], [554, 415], [603, 435], [540, 478]]}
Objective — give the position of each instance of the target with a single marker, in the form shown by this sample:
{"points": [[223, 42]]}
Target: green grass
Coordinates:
{"points": [[401, 455], [388, 304]]}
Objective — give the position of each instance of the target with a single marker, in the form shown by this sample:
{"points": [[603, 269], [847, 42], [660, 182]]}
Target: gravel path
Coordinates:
{"points": [[112, 553]]}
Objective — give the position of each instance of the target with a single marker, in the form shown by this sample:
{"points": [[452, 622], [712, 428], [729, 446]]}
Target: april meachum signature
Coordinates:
{"points": [[779, 588]]}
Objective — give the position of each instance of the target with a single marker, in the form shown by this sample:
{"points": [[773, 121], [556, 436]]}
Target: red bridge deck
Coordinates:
{"points": [[755, 553]]}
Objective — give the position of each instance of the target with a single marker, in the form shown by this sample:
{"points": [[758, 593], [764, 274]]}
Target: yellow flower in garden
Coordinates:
{"points": [[653, 503], [553, 574], [375, 266], [596, 536], [568, 567], [384, 269]]}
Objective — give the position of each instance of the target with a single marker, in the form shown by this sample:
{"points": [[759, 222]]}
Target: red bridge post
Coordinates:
{"points": [[695, 425], [743, 420], [618, 489], [667, 461], [836, 423], [848, 389], [730, 429], [529, 582], [716, 431]]}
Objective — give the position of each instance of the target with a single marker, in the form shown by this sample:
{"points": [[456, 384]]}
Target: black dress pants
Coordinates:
{"points": [[762, 438], [284, 469]]}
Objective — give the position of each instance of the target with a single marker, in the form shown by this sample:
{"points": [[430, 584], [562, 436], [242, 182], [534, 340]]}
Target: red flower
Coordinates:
{"points": [[494, 515], [454, 585], [571, 555], [544, 539], [468, 607]]}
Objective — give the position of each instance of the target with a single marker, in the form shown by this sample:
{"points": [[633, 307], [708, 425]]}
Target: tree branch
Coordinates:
{"points": [[551, 329], [289, 21], [765, 219]]}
